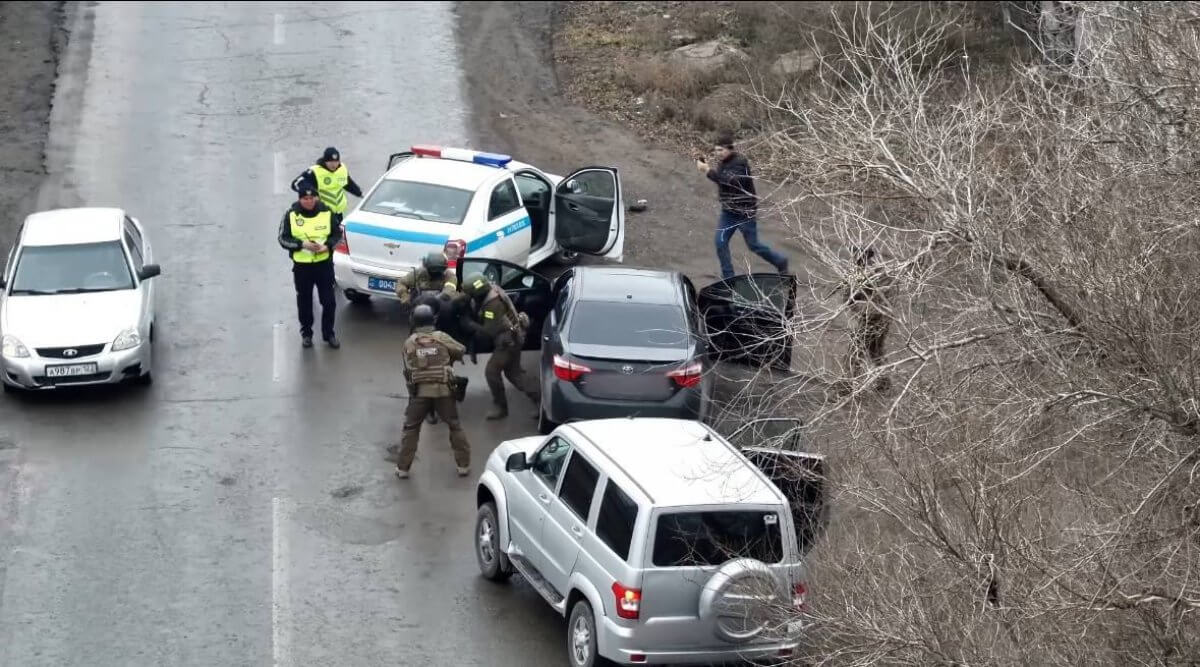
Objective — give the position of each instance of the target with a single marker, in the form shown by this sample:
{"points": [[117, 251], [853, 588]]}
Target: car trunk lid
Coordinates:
{"points": [[393, 241], [628, 373]]}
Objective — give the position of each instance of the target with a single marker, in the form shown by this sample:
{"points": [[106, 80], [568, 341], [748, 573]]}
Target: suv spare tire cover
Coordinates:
{"points": [[741, 600]]}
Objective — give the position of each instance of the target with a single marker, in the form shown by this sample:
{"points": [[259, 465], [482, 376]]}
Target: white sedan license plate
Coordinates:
{"points": [[70, 370], [381, 284]]}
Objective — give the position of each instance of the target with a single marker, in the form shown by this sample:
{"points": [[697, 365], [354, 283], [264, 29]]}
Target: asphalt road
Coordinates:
{"points": [[240, 511]]}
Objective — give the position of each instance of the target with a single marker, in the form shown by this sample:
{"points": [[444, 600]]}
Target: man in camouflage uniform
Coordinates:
{"points": [[867, 300], [430, 284], [495, 318], [428, 356]]}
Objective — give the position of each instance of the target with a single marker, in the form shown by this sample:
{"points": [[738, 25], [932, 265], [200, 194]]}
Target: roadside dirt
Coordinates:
{"points": [[33, 35], [507, 51]]}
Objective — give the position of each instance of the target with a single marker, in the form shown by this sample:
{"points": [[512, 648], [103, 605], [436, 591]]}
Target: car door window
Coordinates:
{"points": [[135, 251], [614, 522], [592, 184], [579, 485], [548, 462], [504, 200]]}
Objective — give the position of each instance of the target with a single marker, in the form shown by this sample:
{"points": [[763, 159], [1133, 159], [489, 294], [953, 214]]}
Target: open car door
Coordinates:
{"points": [[748, 318], [529, 291], [773, 445], [589, 213], [396, 158]]}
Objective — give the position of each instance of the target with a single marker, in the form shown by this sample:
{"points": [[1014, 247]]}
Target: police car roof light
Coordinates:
{"points": [[463, 155]]}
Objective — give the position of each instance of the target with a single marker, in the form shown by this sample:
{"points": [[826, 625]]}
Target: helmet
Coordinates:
{"points": [[435, 263], [422, 316], [476, 285]]}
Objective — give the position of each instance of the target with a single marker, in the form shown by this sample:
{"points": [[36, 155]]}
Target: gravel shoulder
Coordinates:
{"points": [[516, 96], [35, 36]]}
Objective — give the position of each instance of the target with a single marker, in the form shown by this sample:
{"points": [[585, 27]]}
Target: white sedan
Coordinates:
{"points": [[76, 301], [466, 202]]}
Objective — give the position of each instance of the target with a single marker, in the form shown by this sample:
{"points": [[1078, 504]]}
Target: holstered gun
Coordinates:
{"points": [[458, 385]]}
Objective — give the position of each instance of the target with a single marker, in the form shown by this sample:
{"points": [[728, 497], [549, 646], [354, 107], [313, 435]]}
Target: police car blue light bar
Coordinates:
{"points": [[462, 155]]}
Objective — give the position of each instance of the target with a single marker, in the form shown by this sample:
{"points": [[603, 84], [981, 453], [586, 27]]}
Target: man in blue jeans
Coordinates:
{"points": [[739, 205]]}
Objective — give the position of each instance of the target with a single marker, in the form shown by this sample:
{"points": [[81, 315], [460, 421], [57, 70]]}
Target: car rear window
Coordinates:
{"points": [[688, 539], [628, 324], [83, 267], [422, 201]]}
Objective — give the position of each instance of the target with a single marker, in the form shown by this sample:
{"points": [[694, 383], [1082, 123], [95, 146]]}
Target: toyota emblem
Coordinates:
{"points": [[627, 369], [70, 352]]}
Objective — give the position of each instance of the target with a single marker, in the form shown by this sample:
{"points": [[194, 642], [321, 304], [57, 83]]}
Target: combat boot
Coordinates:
{"points": [[498, 412]]}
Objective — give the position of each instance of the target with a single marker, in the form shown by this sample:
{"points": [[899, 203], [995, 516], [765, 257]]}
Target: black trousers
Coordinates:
{"points": [[306, 277]]}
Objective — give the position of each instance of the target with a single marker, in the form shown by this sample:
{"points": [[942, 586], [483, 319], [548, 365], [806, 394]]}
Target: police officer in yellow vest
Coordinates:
{"points": [[309, 231], [331, 179], [428, 357]]}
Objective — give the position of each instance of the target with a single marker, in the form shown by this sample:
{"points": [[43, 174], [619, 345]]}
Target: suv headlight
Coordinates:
{"points": [[14, 348], [127, 339]]}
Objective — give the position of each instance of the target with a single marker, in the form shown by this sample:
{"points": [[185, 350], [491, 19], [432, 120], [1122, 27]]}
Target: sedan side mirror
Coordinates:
{"points": [[149, 271], [516, 462]]}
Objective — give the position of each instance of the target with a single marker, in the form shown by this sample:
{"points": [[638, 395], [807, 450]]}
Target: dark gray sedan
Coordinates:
{"points": [[618, 341]]}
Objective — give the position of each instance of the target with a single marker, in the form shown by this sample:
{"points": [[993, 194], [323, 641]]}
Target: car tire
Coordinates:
{"points": [[545, 426], [566, 257], [356, 297], [581, 637], [493, 564], [8, 388], [145, 379]]}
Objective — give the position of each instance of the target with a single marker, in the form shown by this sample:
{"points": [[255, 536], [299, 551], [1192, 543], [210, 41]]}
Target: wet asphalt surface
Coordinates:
{"points": [[241, 511]]}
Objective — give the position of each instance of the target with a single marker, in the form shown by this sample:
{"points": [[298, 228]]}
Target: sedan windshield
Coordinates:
{"points": [[629, 324], [423, 201], [71, 269]]}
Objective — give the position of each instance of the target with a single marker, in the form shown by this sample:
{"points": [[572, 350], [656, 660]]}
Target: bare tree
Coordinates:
{"points": [[1026, 492]]}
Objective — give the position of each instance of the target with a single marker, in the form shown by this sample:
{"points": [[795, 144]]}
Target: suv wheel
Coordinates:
{"points": [[493, 564], [581, 637]]}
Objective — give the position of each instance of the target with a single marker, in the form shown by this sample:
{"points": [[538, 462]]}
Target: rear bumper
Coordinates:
{"points": [[111, 368], [620, 644], [565, 402], [352, 275]]}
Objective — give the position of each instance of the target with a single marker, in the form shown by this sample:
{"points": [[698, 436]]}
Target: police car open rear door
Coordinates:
{"points": [[748, 318], [530, 293], [589, 213]]}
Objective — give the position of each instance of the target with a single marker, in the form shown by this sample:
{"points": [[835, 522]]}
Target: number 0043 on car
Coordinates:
{"points": [[70, 370], [381, 284]]}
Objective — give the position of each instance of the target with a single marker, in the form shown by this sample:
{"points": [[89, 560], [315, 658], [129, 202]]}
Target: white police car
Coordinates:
{"points": [[478, 204]]}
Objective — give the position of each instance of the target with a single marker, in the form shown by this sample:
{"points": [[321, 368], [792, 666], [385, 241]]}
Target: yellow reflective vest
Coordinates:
{"points": [[316, 229], [331, 186]]}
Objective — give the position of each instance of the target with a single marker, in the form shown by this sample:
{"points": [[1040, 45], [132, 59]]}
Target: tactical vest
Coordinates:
{"points": [[427, 359], [331, 186], [316, 229]]}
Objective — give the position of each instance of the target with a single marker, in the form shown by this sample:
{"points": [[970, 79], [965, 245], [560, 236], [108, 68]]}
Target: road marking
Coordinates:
{"points": [[278, 29], [280, 601], [279, 167], [277, 352]]}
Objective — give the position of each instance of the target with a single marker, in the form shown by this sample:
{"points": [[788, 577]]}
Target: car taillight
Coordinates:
{"points": [[343, 246], [454, 250], [629, 600], [570, 371], [688, 376], [799, 595]]}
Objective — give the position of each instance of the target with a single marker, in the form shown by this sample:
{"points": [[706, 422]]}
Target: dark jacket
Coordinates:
{"points": [[292, 244], [309, 178], [735, 185]]}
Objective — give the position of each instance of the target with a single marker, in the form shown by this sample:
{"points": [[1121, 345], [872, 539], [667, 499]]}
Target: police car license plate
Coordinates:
{"points": [[381, 284], [70, 370]]}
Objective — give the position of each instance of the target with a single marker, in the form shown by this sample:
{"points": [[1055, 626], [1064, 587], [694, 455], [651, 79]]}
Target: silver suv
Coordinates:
{"points": [[660, 540]]}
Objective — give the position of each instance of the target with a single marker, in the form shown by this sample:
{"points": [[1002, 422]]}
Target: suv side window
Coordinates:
{"points": [[579, 485], [504, 200], [548, 462], [614, 524]]}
